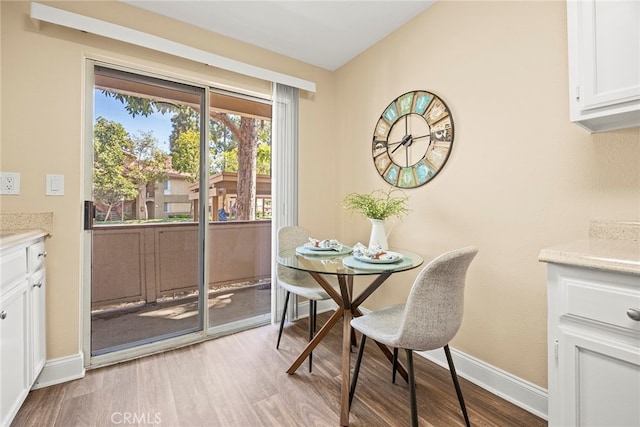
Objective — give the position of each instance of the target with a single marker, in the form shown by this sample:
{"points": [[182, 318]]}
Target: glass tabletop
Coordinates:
{"points": [[346, 264]]}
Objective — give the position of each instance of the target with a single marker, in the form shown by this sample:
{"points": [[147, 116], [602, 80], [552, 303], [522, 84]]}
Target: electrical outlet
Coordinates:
{"points": [[9, 183]]}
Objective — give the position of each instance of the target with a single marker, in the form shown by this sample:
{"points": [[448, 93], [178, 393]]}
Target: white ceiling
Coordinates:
{"points": [[324, 33]]}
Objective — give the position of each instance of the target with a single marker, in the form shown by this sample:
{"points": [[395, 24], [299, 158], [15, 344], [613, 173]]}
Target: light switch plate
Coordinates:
{"points": [[10, 183], [55, 185]]}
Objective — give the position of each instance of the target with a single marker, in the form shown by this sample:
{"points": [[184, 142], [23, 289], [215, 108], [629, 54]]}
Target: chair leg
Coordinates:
{"points": [[412, 389], [312, 328], [394, 366], [284, 312], [356, 369], [454, 377]]}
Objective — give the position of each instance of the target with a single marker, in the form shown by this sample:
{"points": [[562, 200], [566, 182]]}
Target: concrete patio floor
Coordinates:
{"points": [[117, 327]]}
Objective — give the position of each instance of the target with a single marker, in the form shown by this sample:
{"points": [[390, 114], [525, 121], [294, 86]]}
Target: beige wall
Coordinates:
{"points": [[520, 176]]}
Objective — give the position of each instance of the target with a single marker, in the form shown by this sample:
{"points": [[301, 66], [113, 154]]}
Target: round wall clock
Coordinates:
{"points": [[412, 139]]}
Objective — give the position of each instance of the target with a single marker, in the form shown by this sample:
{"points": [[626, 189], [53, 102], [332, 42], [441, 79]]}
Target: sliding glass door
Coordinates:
{"points": [[147, 266], [163, 245], [240, 199]]}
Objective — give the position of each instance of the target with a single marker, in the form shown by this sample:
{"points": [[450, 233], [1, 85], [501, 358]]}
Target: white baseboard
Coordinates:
{"points": [[60, 370], [325, 305], [513, 389], [322, 306]]}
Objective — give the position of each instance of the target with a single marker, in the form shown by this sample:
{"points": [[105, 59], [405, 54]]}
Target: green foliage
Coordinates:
{"points": [[263, 160], [110, 143], [221, 136], [149, 163], [123, 164], [140, 106], [264, 132], [186, 158], [228, 161], [184, 147], [378, 204], [184, 119]]}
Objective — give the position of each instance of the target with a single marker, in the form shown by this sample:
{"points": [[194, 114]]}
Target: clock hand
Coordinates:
{"points": [[395, 149], [405, 140], [421, 136]]}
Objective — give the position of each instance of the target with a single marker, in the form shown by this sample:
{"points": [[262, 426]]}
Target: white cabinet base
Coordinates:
{"points": [[600, 381], [13, 352], [23, 350], [593, 347]]}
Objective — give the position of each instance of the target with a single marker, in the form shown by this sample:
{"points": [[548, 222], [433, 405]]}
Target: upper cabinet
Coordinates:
{"points": [[604, 63]]}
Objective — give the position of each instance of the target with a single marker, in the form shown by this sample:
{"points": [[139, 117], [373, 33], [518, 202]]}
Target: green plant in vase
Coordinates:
{"points": [[378, 206]]}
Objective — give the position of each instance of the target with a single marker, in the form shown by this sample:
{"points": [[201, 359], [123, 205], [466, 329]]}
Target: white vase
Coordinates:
{"points": [[378, 234]]}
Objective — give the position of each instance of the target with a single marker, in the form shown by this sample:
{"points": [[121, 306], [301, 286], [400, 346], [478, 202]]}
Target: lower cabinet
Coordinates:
{"points": [[601, 386], [594, 347], [23, 350], [14, 352]]}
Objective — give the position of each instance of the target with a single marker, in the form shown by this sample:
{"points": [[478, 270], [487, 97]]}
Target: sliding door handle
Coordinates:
{"points": [[89, 214]]}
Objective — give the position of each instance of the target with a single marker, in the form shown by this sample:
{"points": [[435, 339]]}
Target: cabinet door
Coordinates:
{"points": [[609, 52], [600, 384], [13, 352], [38, 325]]}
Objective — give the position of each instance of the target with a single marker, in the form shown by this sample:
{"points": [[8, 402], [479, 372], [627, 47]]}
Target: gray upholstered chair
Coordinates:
{"points": [[430, 318], [299, 282]]}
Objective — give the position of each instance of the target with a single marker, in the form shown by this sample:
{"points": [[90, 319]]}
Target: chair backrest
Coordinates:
{"points": [[433, 312], [290, 237]]}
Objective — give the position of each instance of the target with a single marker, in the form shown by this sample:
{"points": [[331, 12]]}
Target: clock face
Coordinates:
{"points": [[412, 139]]}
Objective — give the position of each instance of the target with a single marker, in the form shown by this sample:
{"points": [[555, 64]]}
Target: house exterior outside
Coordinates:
{"points": [[170, 198]]}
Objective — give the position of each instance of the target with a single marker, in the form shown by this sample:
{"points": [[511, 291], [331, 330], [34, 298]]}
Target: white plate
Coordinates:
{"points": [[397, 257], [317, 248]]}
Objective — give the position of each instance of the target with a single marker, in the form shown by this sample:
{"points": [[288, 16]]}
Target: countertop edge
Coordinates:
{"points": [[20, 237], [621, 256], [614, 266]]}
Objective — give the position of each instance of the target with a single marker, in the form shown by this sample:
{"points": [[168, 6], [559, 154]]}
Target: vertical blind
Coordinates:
{"points": [[284, 156]]}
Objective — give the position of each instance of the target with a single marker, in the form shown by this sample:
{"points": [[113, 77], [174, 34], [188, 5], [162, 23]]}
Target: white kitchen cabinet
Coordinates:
{"points": [[22, 322], [593, 347], [13, 351], [604, 63]]}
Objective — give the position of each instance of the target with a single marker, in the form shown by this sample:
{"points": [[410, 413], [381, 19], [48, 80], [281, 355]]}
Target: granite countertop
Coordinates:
{"points": [[612, 248], [16, 228]]}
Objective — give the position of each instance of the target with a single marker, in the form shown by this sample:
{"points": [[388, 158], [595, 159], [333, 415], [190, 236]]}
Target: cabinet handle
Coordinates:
{"points": [[634, 314], [42, 254], [37, 285], [3, 315]]}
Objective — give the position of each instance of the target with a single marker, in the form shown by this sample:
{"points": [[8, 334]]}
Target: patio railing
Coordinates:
{"points": [[147, 262]]}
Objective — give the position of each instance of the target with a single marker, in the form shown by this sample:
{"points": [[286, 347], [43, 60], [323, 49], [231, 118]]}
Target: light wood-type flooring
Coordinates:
{"points": [[240, 380]]}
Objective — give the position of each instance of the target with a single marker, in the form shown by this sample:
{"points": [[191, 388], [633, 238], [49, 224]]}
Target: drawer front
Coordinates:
{"points": [[602, 304], [37, 254], [13, 266]]}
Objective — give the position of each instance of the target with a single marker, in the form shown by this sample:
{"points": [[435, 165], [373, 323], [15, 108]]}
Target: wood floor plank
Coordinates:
{"points": [[44, 405], [241, 380], [156, 399]]}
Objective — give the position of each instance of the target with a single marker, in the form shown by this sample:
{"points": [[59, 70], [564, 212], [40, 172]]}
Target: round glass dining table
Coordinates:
{"points": [[345, 267], [345, 264]]}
